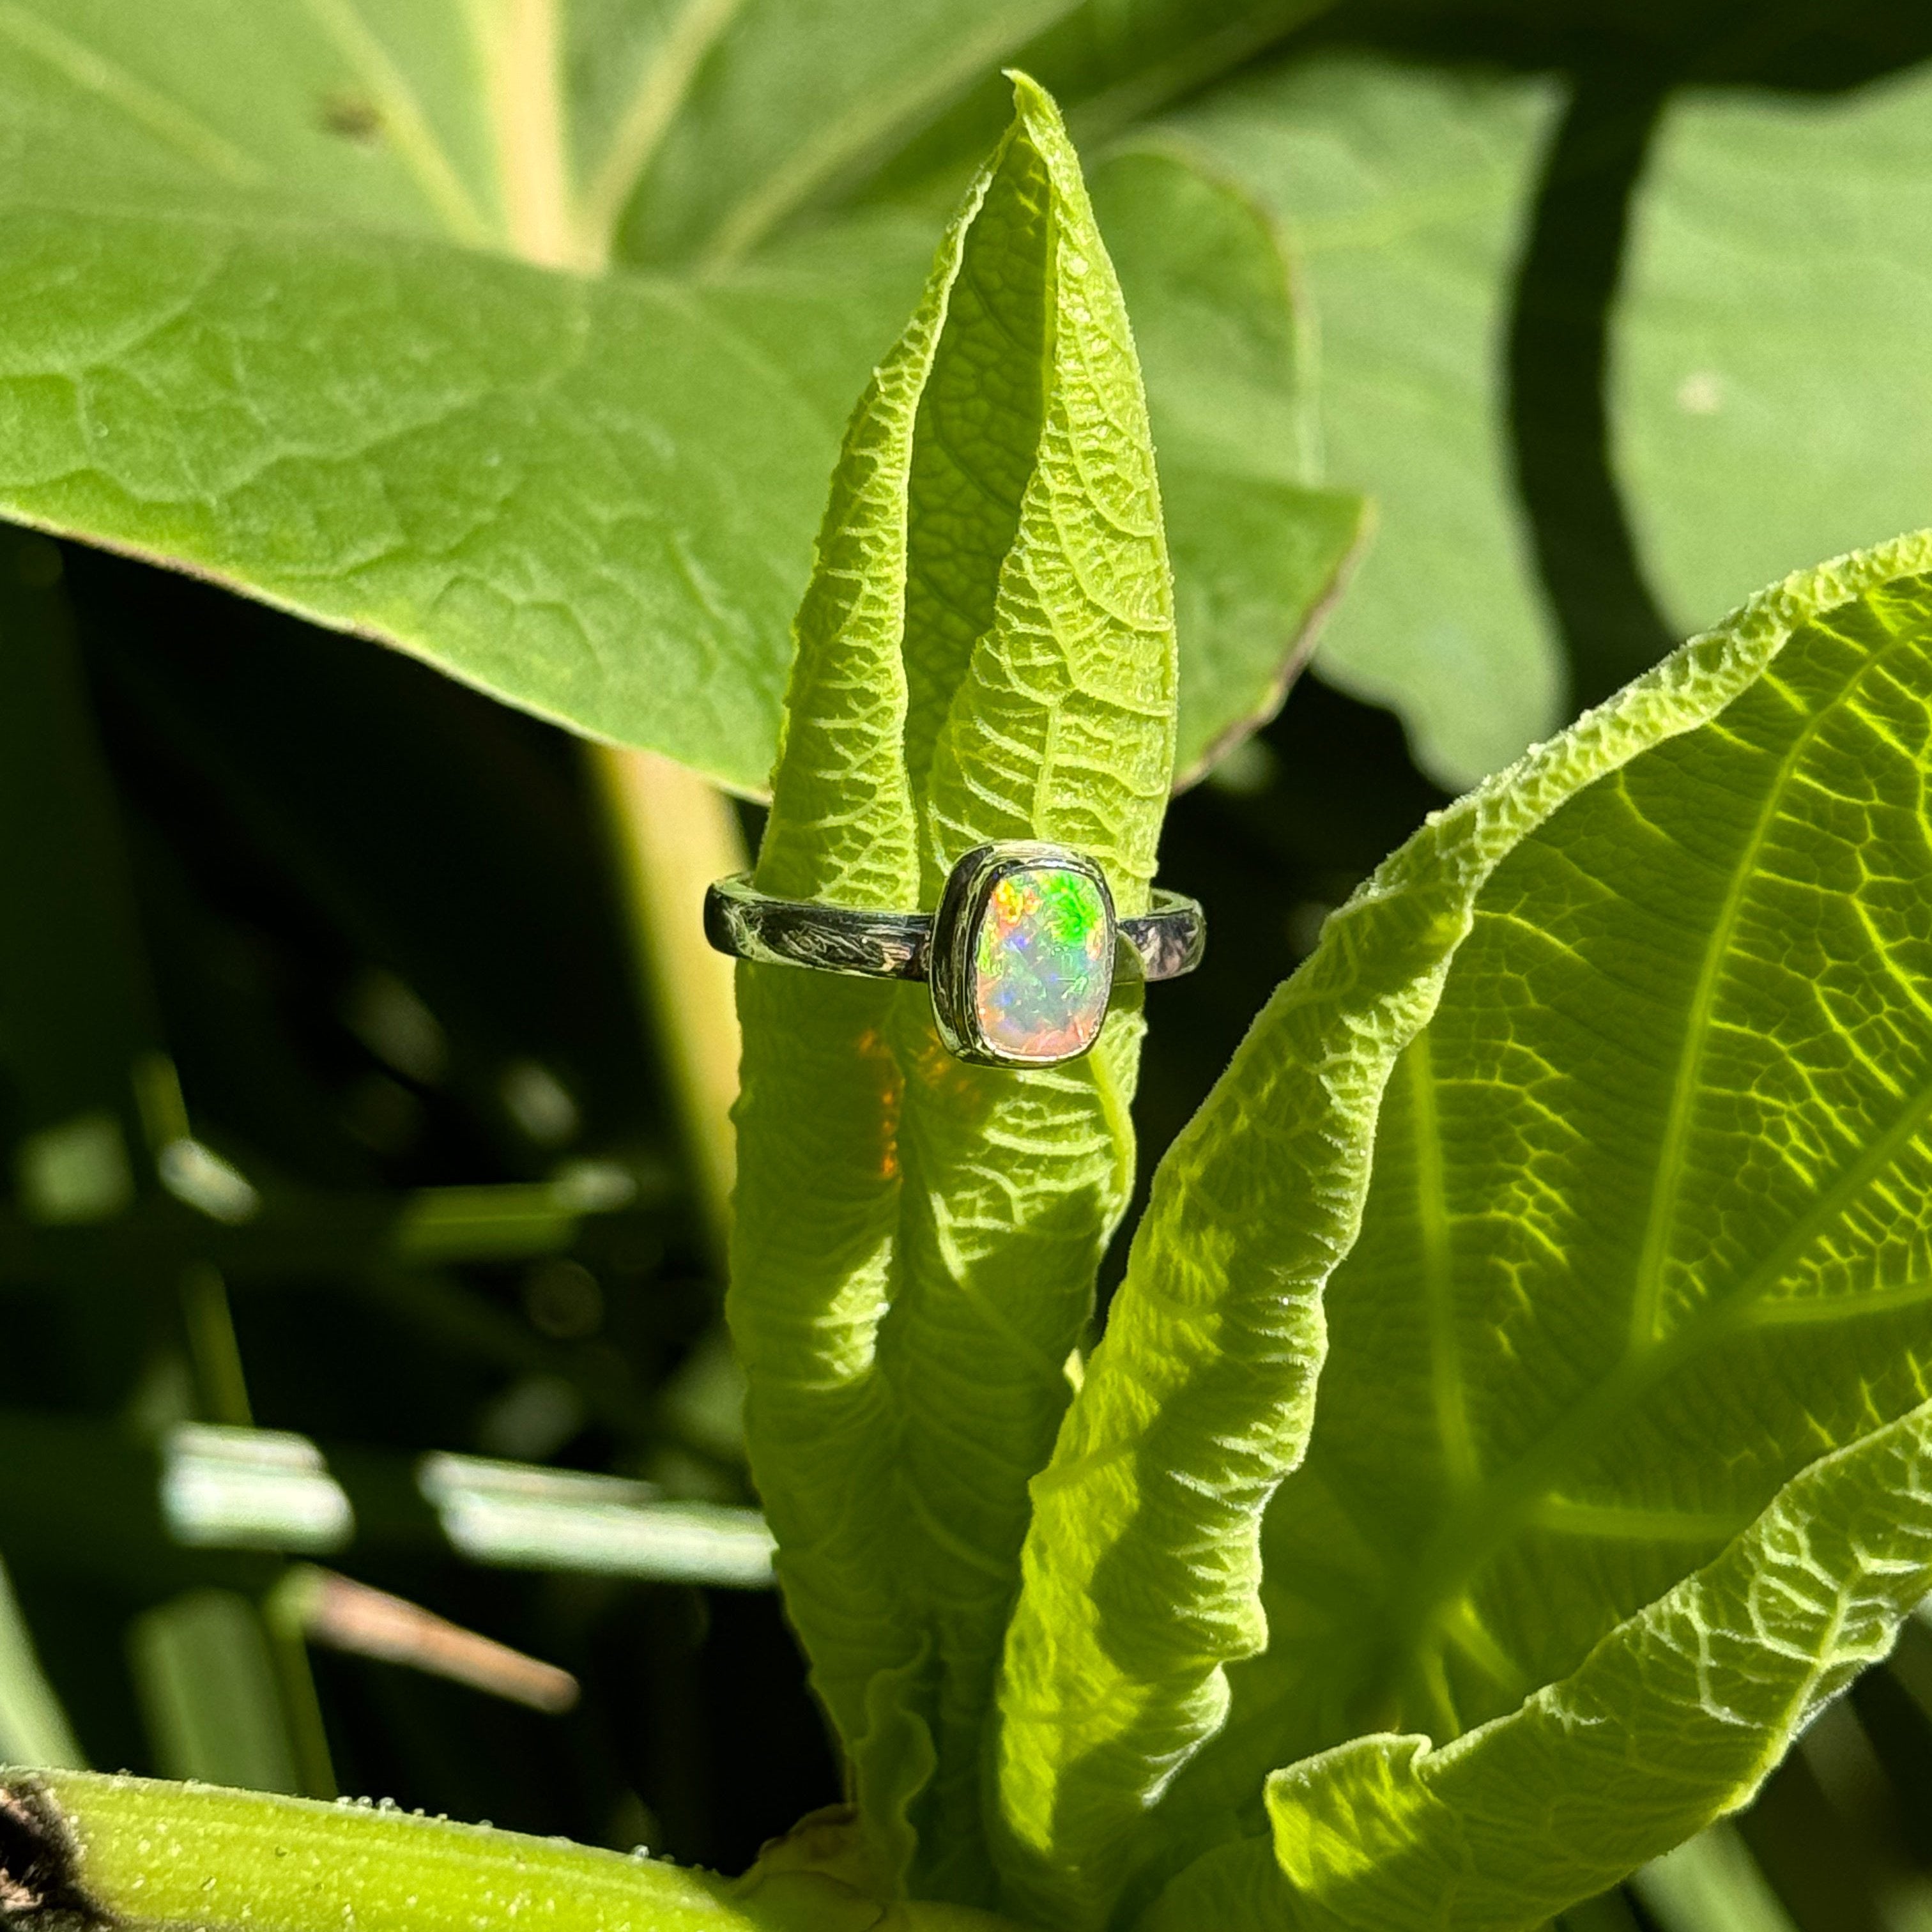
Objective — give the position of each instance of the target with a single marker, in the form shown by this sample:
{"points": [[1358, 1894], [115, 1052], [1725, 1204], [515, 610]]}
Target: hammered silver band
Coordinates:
{"points": [[1162, 943]]}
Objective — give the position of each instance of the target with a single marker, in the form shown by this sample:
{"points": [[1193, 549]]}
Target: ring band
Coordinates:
{"points": [[1022, 954]]}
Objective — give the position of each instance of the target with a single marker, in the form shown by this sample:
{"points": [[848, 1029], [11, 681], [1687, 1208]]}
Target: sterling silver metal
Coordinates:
{"points": [[1162, 943]]}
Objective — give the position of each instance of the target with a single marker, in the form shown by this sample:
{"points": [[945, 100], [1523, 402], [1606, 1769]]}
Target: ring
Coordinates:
{"points": [[1021, 955]]}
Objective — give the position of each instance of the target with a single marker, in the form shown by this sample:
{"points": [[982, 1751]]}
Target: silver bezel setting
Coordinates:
{"points": [[955, 940]]}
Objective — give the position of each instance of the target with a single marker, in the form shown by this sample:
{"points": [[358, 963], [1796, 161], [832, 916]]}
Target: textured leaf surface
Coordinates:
{"points": [[1514, 1449], [1676, 1717], [1647, 1231], [1403, 193], [258, 321], [1772, 394], [986, 652]]}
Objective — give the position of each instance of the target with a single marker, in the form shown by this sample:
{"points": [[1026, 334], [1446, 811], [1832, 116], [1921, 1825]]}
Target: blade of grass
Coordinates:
{"points": [[34, 1728]]}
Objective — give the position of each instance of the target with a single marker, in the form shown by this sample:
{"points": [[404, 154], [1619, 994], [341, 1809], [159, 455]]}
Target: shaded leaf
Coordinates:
{"points": [[1768, 387]]}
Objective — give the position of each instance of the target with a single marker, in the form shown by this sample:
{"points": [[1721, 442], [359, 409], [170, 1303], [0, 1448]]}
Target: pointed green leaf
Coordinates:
{"points": [[1676, 1717], [1470, 1520], [987, 652], [261, 322]]}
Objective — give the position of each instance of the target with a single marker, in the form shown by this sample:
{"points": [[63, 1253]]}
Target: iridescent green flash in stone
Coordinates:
{"points": [[1041, 969]]}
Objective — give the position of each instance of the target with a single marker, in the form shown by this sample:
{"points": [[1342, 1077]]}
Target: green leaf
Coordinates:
{"points": [[433, 458], [1676, 1716], [1402, 191], [260, 323], [986, 652], [1112, 63], [1771, 303], [1463, 1530], [1770, 297], [790, 110], [1645, 1229]]}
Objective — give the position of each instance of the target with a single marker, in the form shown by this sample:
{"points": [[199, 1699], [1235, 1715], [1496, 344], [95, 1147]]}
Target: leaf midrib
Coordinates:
{"points": [[1435, 1270], [1666, 1178]]}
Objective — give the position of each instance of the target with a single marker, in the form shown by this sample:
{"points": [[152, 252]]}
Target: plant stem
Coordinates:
{"points": [[155, 1852], [674, 834], [134, 1852]]}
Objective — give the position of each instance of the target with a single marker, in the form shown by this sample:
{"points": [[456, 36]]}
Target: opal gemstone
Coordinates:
{"points": [[1041, 971]]}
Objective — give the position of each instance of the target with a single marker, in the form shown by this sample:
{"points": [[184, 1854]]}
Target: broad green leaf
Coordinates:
{"points": [[1462, 1532], [431, 457], [1112, 63], [1676, 1717], [1403, 193], [261, 322], [1769, 389], [1647, 1226], [1764, 334], [797, 100], [986, 652]]}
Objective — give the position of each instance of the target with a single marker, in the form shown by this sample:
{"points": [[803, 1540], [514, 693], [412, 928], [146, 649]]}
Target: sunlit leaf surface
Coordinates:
{"points": [[986, 652], [262, 321]]}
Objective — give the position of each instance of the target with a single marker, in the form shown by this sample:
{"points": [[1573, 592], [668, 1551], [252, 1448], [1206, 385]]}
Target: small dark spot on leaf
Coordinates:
{"points": [[40, 1882], [352, 117]]}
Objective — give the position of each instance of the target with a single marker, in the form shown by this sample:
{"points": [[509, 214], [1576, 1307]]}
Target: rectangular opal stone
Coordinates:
{"points": [[1042, 970]]}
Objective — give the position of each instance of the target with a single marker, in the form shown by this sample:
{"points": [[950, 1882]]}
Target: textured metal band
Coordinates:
{"points": [[1162, 943]]}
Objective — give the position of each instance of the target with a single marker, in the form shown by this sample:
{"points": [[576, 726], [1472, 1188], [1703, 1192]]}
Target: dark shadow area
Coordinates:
{"points": [[1558, 360], [375, 913]]}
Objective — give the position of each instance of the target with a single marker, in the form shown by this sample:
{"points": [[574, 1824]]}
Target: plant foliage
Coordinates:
{"points": [[1511, 1430], [590, 493]]}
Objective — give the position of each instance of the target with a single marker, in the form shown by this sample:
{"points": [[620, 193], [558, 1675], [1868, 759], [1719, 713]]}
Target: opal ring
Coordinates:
{"points": [[1021, 955]]}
